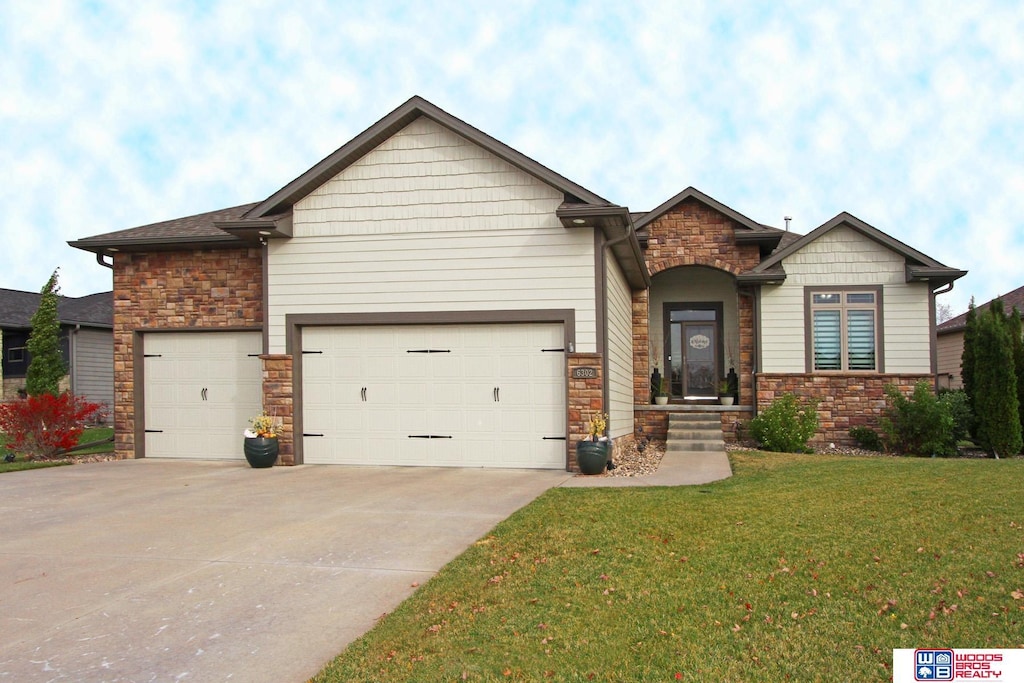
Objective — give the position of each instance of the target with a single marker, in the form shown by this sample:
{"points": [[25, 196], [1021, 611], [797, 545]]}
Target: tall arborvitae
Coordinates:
{"points": [[995, 385], [46, 367], [1016, 328], [967, 357]]}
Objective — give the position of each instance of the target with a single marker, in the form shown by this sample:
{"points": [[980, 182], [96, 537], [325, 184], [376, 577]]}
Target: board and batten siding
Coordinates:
{"points": [[620, 350], [428, 221], [92, 365], [845, 257]]}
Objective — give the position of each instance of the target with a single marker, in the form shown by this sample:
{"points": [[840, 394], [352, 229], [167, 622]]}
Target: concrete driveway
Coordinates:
{"points": [[151, 570]]}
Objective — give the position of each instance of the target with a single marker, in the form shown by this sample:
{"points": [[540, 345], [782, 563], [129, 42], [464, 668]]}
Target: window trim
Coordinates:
{"points": [[21, 356], [809, 292]]}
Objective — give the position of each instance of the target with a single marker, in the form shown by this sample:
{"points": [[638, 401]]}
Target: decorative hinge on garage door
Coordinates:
{"points": [[312, 352], [428, 351], [152, 355], [428, 436], [154, 431], [554, 438], [306, 434], [553, 350]]}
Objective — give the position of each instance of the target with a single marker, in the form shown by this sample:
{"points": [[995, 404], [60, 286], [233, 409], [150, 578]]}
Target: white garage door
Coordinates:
{"points": [[437, 395], [201, 388]]}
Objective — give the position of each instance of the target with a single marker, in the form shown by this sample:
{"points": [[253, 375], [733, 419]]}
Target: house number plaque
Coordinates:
{"points": [[584, 373]]}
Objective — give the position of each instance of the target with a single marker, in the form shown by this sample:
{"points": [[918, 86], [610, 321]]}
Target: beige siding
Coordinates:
{"points": [[950, 349], [839, 258], [620, 350], [430, 222], [426, 178]]}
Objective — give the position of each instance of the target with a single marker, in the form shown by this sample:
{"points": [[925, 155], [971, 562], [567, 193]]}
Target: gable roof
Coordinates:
{"points": [[406, 113], [94, 310], [1011, 300], [920, 267], [755, 233], [239, 225]]}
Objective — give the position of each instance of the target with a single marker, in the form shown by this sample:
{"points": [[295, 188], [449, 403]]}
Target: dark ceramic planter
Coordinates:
{"points": [[592, 456], [260, 451]]}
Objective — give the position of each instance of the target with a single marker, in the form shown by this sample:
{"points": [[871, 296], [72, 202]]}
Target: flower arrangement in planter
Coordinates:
{"points": [[260, 446], [592, 452]]}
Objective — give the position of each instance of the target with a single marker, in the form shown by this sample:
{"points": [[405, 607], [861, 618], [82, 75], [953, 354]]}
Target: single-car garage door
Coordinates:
{"points": [[201, 388], [487, 395]]}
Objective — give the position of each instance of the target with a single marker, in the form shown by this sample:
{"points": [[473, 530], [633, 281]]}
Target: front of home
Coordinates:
{"points": [[427, 295]]}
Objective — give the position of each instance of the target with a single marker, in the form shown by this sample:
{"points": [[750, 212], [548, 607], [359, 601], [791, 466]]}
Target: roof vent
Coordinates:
{"points": [[787, 219]]}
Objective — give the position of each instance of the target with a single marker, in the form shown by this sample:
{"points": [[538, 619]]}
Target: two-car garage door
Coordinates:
{"points": [[474, 395]]}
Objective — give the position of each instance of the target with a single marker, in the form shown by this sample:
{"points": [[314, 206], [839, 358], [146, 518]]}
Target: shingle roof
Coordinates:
{"points": [[190, 229], [1010, 301], [94, 310]]}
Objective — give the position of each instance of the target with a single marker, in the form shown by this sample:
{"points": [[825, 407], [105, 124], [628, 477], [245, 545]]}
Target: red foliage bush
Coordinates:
{"points": [[46, 425]]}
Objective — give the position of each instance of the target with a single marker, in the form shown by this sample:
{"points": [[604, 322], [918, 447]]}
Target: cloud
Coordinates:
{"points": [[907, 115]]}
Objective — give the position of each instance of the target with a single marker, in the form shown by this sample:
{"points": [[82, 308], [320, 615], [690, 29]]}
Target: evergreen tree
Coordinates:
{"points": [[995, 385], [46, 367], [967, 357], [1016, 328]]}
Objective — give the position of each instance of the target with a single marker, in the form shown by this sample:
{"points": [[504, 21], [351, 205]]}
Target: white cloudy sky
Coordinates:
{"points": [[908, 115]]}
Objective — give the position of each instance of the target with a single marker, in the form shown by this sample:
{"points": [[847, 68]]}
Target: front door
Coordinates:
{"points": [[693, 351]]}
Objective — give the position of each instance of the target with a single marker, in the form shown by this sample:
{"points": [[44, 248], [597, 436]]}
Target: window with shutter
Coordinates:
{"points": [[844, 330]]}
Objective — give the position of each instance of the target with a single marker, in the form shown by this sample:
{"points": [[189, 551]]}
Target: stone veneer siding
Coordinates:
{"points": [[277, 401], [207, 289], [586, 400], [844, 400], [693, 234]]}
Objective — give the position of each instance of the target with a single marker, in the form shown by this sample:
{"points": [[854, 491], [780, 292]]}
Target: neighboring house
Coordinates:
{"points": [[950, 340], [426, 295], [86, 342]]}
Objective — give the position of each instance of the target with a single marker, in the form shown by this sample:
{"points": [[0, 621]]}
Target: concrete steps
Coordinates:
{"points": [[690, 432]]}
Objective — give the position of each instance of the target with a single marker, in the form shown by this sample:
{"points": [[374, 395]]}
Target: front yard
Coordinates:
{"points": [[801, 567]]}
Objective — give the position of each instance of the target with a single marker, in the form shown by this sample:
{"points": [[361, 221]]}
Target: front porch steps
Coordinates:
{"points": [[694, 432]]}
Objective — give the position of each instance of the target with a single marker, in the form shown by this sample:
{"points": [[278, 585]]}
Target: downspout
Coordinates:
{"points": [[933, 333], [605, 380]]}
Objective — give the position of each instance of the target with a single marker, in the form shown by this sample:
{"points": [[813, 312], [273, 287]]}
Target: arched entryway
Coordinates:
{"points": [[694, 331]]}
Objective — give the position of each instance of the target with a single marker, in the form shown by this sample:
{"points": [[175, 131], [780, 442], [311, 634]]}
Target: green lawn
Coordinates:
{"points": [[88, 436], [809, 568]]}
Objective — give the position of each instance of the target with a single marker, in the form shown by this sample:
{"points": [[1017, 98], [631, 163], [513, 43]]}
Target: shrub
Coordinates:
{"points": [[45, 425], [866, 438], [786, 426], [919, 425], [960, 408]]}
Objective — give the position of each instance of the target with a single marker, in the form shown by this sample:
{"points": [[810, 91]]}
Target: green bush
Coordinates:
{"points": [[866, 438], [919, 425], [960, 408], [786, 426]]}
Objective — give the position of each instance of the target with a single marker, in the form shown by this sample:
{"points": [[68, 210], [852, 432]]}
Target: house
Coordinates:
{"points": [[950, 340], [86, 340], [427, 295]]}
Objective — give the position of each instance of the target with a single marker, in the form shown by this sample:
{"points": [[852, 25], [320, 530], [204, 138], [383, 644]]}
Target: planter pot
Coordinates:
{"points": [[260, 451], [660, 400], [726, 400], [592, 456]]}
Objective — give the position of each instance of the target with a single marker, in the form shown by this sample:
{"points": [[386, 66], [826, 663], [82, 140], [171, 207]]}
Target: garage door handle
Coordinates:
{"points": [[497, 394], [363, 394], [202, 393]]}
